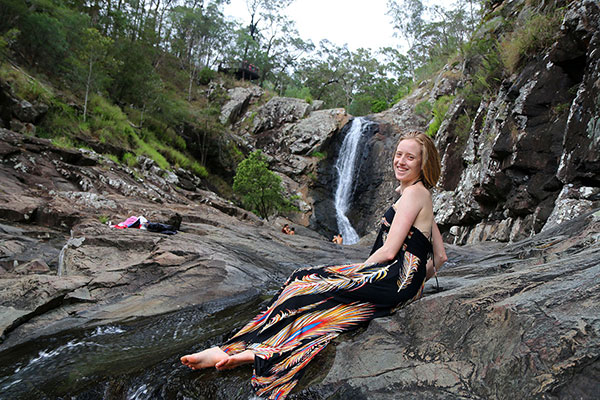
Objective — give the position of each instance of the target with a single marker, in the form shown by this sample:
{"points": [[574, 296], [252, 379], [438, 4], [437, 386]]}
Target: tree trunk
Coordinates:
{"points": [[87, 88]]}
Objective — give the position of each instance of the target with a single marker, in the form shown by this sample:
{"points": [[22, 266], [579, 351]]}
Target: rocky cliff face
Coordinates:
{"points": [[529, 158]]}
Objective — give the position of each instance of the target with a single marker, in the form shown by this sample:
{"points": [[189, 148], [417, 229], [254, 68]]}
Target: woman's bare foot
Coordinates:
{"points": [[204, 359], [245, 357]]}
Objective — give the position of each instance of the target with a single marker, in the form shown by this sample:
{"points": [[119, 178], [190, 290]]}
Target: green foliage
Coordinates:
{"points": [[482, 58], [319, 155], [379, 105], [423, 109], [130, 160], [108, 123], [199, 170], [146, 149], [206, 75], [7, 40], [298, 92], [529, 38], [61, 120], [361, 105], [24, 85], [440, 108], [64, 142], [113, 158], [103, 219], [260, 188], [560, 109]]}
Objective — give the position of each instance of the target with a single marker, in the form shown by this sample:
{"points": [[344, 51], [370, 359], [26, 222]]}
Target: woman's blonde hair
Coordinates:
{"points": [[430, 158]]}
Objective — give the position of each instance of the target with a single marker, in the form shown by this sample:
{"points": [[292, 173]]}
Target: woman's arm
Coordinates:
{"points": [[407, 209], [439, 252]]}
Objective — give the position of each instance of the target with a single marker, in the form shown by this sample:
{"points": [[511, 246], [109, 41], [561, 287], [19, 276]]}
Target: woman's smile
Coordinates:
{"points": [[407, 161]]}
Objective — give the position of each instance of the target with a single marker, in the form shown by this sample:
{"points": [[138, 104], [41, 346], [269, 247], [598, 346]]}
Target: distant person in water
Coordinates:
{"points": [[316, 304], [286, 229], [292, 231], [337, 239]]}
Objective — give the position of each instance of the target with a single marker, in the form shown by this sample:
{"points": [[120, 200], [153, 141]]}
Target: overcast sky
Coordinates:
{"points": [[359, 23]]}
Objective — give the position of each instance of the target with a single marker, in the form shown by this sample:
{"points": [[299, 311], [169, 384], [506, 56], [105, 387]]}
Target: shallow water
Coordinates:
{"points": [[137, 360]]}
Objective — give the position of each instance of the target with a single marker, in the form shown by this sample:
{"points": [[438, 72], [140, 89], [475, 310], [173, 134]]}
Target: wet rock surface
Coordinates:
{"points": [[61, 267]]}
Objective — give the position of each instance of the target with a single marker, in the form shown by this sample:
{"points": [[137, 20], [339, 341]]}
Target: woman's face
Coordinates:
{"points": [[407, 161]]}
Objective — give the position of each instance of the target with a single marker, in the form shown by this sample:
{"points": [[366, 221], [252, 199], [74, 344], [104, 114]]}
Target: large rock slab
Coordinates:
{"points": [[239, 99], [516, 321], [309, 134], [279, 110]]}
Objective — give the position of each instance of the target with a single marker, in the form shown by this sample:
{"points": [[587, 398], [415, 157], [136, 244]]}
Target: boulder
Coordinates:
{"points": [[239, 99], [572, 202], [309, 134], [279, 110]]}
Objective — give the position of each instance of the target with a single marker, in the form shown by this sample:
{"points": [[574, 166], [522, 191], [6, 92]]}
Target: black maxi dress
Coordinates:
{"points": [[316, 304]]}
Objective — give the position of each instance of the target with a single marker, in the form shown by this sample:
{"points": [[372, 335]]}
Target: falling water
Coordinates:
{"points": [[73, 242], [346, 166]]}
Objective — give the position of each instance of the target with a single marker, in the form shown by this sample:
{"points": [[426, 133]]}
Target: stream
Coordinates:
{"points": [[136, 360]]}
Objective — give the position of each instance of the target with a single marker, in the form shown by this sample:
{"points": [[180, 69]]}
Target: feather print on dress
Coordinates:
{"points": [[410, 266]]}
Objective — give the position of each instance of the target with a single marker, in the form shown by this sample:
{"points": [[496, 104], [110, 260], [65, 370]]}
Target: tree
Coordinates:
{"points": [[408, 20], [260, 188], [95, 49]]}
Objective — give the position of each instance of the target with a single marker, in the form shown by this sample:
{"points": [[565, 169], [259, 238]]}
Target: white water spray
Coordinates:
{"points": [[72, 242], [346, 169]]}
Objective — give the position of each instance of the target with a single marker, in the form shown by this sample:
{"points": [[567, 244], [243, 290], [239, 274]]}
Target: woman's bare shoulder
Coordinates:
{"points": [[416, 192]]}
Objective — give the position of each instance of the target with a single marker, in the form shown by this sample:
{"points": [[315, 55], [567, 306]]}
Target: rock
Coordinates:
{"points": [[278, 111], [26, 297], [26, 112], [81, 294], [445, 83], [309, 134], [316, 105], [33, 267], [572, 202], [239, 98]]}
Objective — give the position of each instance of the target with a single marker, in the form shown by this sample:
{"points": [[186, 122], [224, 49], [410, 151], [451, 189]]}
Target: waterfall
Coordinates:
{"points": [[72, 242], [346, 171]]}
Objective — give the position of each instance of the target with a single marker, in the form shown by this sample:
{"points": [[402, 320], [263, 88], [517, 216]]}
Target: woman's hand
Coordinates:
{"points": [[439, 253], [407, 209]]}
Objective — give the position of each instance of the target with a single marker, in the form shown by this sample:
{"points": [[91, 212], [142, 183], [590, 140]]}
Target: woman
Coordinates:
{"points": [[316, 304]]}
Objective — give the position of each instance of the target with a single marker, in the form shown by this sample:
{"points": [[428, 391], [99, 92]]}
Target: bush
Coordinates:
{"points": [[199, 170], [130, 160], [260, 188], [319, 155], [299, 93], [379, 106], [205, 76], [108, 122]]}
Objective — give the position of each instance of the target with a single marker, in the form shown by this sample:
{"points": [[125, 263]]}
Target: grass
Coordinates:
{"points": [[64, 142], [319, 155], [529, 38], [440, 108], [24, 85]]}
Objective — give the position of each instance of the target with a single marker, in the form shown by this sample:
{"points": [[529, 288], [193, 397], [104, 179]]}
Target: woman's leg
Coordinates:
{"points": [[245, 357], [204, 359]]}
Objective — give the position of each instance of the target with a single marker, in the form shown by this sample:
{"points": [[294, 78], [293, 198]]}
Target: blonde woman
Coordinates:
{"points": [[316, 304]]}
